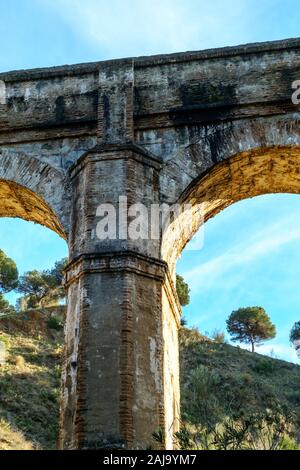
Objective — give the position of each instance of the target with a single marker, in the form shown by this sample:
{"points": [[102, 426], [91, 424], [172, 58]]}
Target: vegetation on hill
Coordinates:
{"points": [[220, 382], [41, 288], [38, 288], [250, 325], [30, 380], [215, 378]]}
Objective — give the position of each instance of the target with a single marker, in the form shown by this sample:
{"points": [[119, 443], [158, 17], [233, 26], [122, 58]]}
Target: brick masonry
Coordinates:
{"points": [[210, 127]]}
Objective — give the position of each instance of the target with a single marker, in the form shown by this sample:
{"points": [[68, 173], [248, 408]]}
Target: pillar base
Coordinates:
{"points": [[119, 386]]}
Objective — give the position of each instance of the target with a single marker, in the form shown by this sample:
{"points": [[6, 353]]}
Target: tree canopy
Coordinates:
{"points": [[8, 273], [295, 337], [250, 325], [183, 290], [8, 281], [41, 288], [295, 332], [58, 270], [5, 307]]}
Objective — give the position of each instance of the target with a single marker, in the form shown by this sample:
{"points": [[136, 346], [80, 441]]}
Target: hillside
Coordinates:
{"points": [[218, 380], [30, 380], [227, 377]]}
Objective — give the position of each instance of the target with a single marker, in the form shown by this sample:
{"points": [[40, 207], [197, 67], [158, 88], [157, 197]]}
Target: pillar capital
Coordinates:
{"points": [[116, 151]]}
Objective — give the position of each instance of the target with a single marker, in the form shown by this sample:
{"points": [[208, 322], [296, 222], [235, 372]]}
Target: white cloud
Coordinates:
{"points": [[135, 27], [246, 251]]}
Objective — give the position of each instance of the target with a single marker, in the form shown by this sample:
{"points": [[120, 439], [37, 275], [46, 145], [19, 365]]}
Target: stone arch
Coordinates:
{"points": [[255, 172], [34, 191], [204, 147]]}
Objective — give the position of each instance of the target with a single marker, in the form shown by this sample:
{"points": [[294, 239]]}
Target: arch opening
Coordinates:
{"points": [[21, 202], [245, 175], [31, 333], [256, 173]]}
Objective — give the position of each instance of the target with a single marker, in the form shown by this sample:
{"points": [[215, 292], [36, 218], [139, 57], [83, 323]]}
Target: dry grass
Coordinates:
{"points": [[12, 439], [29, 389]]}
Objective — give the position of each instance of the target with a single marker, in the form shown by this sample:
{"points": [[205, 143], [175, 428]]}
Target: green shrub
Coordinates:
{"points": [[264, 367], [288, 443], [247, 378], [268, 430], [55, 323], [200, 396], [4, 340]]}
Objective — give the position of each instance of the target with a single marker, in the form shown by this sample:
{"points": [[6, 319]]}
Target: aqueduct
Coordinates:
{"points": [[208, 127]]}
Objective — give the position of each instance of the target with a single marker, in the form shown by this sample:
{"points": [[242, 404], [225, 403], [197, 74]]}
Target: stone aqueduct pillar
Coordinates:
{"points": [[121, 378]]}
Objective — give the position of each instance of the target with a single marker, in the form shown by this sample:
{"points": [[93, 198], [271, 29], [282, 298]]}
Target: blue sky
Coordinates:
{"points": [[250, 256], [38, 33], [251, 252]]}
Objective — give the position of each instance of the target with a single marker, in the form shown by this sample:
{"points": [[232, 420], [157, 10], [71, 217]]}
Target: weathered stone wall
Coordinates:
{"points": [[171, 313]]}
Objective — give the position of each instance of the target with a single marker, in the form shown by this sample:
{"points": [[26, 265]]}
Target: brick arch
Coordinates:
{"points": [[247, 174], [206, 146], [34, 191]]}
